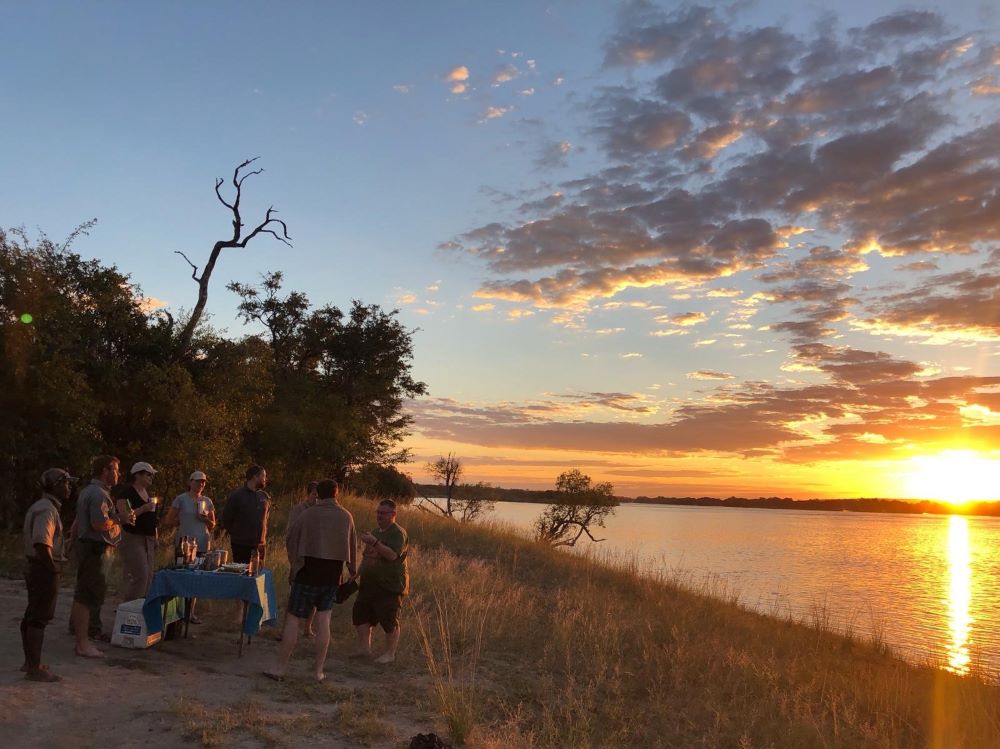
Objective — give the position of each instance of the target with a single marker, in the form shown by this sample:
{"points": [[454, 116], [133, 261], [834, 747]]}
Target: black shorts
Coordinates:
{"points": [[92, 560], [243, 552], [377, 606], [43, 589]]}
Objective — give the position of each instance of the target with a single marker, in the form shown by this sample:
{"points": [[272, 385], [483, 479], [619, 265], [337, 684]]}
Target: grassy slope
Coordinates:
{"points": [[547, 649], [528, 646]]}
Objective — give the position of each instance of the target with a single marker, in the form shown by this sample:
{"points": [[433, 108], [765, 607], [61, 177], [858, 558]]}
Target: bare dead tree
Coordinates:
{"points": [[267, 226], [448, 470]]}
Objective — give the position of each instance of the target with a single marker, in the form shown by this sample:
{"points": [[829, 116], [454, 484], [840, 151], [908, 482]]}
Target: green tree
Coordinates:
{"points": [[88, 370], [70, 330], [340, 382], [580, 507], [382, 482]]}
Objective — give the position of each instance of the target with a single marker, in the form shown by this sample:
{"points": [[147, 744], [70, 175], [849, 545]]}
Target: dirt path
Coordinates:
{"points": [[197, 692]]}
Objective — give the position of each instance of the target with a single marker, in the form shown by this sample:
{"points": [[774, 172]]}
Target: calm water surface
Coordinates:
{"points": [[927, 585]]}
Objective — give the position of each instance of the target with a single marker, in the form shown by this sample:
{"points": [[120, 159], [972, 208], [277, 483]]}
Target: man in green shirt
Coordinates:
{"points": [[384, 581]]}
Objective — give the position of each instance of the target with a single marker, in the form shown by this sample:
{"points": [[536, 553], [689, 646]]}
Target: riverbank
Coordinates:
{"points": [[510, 644]]}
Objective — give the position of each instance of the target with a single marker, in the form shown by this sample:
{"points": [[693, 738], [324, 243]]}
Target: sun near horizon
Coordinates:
{"points": [[956, 477]]}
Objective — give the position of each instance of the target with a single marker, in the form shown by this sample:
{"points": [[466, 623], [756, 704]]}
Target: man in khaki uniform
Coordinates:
{"points": [[43, 549]]}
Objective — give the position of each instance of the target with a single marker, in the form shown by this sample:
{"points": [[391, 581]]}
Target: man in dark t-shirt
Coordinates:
{"points": [[245, 516]]}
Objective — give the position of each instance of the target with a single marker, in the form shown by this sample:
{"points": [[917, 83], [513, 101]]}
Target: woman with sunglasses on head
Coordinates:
{"points": [[138, 545]]}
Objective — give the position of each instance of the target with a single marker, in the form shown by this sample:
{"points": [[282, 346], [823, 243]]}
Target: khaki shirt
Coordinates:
{"points": [[42, 525], [94, 505]]}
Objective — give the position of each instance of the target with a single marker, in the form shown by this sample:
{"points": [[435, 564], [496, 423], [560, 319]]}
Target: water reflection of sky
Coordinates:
{"points": [[929, 585], [959, 594]]}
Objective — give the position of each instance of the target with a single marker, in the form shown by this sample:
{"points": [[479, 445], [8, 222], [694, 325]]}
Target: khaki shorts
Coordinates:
{"points": [[93, 559]]}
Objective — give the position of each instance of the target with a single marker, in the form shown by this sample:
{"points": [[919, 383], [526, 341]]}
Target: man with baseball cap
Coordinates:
{"points": [[194, 512], [43, 548]]}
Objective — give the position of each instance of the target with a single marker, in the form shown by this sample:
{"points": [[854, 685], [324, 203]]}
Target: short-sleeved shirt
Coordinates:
{"points": [[245, 516], [145, 524], [190, 525], [95, 506], [391, 576], [42, 525]]}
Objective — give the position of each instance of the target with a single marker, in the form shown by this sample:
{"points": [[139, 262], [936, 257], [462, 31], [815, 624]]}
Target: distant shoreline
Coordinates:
{"points": [[985, 508]]}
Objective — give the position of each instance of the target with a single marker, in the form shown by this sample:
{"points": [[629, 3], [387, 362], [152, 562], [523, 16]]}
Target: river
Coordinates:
{"points": [[926, 585]]}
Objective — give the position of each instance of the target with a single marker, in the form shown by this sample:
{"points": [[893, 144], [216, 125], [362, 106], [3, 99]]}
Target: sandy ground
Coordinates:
{"points": [[197, 692]]}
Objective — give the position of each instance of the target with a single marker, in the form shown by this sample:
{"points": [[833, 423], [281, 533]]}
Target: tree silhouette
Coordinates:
{"points": [[580, 506], [267, 226]]}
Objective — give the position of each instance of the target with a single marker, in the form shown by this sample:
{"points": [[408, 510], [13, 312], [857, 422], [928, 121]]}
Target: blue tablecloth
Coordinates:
{"points": [[257, 591]]}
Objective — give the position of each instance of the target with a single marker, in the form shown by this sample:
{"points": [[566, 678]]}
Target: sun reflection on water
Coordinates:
{"points": [[959, 594]]}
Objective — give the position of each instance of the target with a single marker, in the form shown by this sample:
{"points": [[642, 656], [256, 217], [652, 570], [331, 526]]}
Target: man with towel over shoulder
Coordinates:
{"points": [[321, 542]]}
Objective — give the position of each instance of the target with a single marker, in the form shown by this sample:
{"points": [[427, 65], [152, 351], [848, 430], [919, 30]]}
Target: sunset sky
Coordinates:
{"points": [[745, 248]]}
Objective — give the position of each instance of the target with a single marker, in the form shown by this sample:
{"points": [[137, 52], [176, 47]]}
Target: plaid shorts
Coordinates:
{"points": [[302, 599]]}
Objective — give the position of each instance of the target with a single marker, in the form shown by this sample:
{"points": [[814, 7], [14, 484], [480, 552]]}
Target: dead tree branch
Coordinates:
{"points": [[194, 268], [270, 225]]}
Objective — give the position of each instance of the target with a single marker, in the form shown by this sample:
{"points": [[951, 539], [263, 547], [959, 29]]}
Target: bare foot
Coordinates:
{"points": [[274, 676], [386, 658], [320, 676], [89, 652], [41, 674]]}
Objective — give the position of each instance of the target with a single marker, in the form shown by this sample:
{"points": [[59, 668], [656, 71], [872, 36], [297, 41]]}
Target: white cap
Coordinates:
{"points": [[198, 476], [142, 466]]}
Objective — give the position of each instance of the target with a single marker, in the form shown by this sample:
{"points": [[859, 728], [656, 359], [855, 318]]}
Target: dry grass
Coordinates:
{"points": [[528, 646], [228, 725], [507, 643]]}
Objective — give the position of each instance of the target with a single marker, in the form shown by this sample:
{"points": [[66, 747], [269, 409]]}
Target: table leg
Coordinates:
{"points": [[187, 615], [243, 626]]}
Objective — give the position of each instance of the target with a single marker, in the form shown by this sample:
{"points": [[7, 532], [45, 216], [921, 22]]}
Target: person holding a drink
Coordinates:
{"points": [[194, 513], [138, 545]]}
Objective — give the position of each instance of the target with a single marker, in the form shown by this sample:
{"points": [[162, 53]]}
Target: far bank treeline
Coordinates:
{"points": [[549, 496], [87, 369]]}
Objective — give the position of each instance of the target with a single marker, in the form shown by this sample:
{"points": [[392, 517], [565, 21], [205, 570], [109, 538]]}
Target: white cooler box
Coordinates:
{"points": [[130, 627]]}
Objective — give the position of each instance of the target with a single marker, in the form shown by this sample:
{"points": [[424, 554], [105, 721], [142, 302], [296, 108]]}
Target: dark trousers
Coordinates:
{"points": [[43, 589], [243, 552]]}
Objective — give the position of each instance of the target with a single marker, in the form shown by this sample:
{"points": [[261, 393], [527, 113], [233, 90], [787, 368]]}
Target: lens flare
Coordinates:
{"points": [[27, 318]]}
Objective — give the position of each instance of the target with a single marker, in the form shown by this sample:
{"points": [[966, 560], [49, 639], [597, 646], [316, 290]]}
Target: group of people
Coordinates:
{"points": [[322, 546]]}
